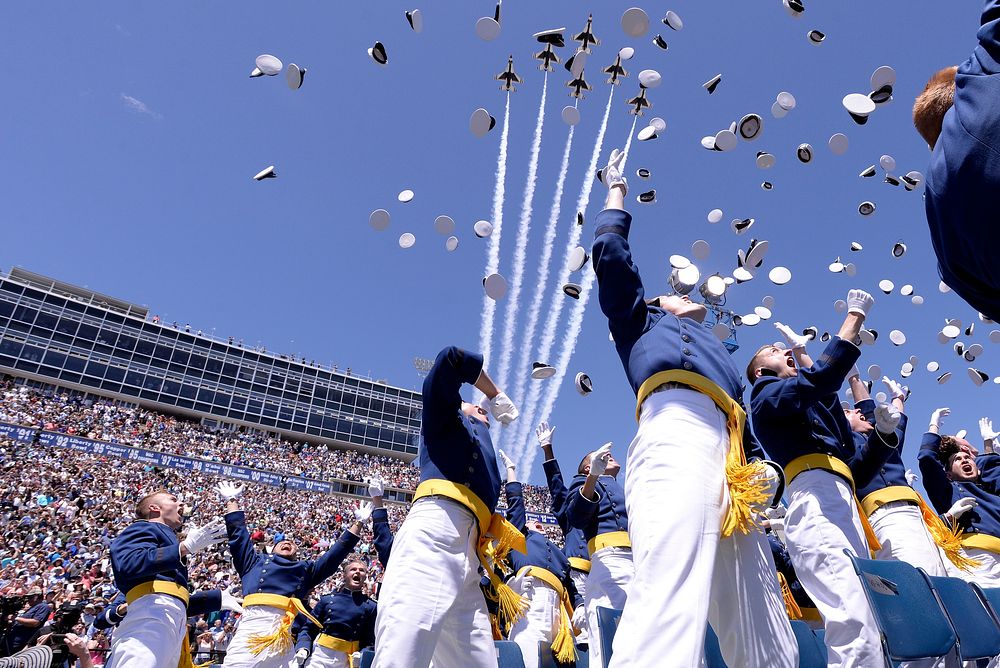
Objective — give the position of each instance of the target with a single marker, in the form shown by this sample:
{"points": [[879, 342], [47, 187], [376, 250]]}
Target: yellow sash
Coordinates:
{"points": [[880, 497], [610, 539], [982, 541], [497, 537], [747, 484], [580, 564], [280, 640], [171, 589], [348, 647], [833, 465], [563, 647]]}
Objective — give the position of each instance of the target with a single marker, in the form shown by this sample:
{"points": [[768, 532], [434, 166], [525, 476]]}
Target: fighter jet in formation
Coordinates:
{"points": [[548, 56], [586, 38], [578, 85], [616, 71], [638, 103], [509, 77]]}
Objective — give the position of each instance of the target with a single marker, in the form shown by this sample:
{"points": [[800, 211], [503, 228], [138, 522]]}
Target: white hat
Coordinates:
{"points": [[944, 378], [487, 28], [785, 100], [897, 337], [891, 180], [838, 143], [673, 21], [898, 249], [483, 228], [816, 37], [715, 216], [294, 76], [836, 266], [268, 64], [583, 384], [650, 79], [866, 208], [406, 240], [856, 246], [570, 115], [635, 22], [887, 162], [647, 197], [405, 196], [679, 262], [416, 20], [642, 173], [977, 376], [794, 8], [886, 286], [778, 111], [725, 140], [780, 275], [451, 243], [572, 290], [378, 54], [741, 225], [379, 219], [481, 122], [712, 83], [660, 42], [647, 133], [750, 126], [658, 123], [756, 253], [868, 172], [444, 224], [766, 185], [541, 371], [933, 366], [266, 173], [495, 286], [804, 153], [765, 160], [906, 290], [859, 107], [578, 258], [626, 53], [912, 179], [701, 249]]}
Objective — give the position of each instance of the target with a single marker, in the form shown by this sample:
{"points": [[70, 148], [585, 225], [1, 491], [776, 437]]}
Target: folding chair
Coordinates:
{"points": [[990, 597], [713, 653], [812, 652], [977, 631], [607, 625], [367, 657], [547, 660], [910, 620], [508, 654]]}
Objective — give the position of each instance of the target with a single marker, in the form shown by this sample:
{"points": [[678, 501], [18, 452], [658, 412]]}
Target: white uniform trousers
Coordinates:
{"points": [[685, 577], [430, 604], [821, 521], [541, 622], [324, 657], [608, 586], [580, 580], [257, 620], [986, 574], [151, 634], [899, 527]]}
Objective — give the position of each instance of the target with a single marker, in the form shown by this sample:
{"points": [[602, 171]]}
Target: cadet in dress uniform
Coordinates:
{"points": [[150, 566], [430, 604], [798, 417], [958, 115], [691, 492], [274, 586], [574, 545], [347, 615], [967, 498], [543, 578]]}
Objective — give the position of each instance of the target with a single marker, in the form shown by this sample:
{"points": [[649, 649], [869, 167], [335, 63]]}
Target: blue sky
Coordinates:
{"points": [[132, 131]]}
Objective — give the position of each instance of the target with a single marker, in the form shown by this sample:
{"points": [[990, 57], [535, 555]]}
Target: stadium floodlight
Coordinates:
{"points": [[713, 290], [422, 365], [683, 281]]}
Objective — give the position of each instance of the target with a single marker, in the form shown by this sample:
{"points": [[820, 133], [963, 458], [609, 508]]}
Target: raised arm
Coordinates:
{"points": [[240, 547], [328, 564], [516, 514], [989, 38], [798, 345], [939, 488], [789, 396], [452, 368], [380, 522]]}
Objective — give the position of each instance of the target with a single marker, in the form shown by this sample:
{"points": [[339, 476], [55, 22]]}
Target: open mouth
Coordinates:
{"points": [[967, 469]]}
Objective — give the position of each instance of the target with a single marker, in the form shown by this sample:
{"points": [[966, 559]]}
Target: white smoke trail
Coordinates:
{"points": [[521, 247], [548, 244], [493, 247], [530, 405], [573, 331]]}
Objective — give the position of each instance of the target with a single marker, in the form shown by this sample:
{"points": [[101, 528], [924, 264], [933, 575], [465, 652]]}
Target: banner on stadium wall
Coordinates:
{"points": [[154, 458]]}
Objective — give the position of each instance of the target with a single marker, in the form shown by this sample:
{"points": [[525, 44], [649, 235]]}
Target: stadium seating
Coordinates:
{"points": [[991, 599], [547, 660], [607, 625], [508, 654], [367, 657], [910, 620], [812, 651], [713, 653], [977, 631]]}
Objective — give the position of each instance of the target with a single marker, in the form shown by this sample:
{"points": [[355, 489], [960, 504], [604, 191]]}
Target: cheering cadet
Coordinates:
{"points": [[957, 114], [966, 496], [543, 578], [574, 544], [691, 534], [347, 615], [150, 566], [798, 417], [430, 604], [274, 586]]}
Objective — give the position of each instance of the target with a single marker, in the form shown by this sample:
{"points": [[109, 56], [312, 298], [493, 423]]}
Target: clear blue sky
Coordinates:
{"points": [[131, 132]]}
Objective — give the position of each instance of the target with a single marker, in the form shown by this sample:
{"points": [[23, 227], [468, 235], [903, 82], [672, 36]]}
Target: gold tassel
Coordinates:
{"points": [[185, 660], [947, 538], [512, 606], [563, 646], [495, 626], [280, 641], [505, 537], [791, 606], [747, 489]]}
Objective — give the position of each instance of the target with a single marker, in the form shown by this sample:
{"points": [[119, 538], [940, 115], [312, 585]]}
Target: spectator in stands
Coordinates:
{"points": [[28, 622]]}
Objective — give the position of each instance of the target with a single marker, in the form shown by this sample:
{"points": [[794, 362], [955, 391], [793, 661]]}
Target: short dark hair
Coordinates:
{"points": [[948, 449], [752, 366], [142, 508], [584, 462]]}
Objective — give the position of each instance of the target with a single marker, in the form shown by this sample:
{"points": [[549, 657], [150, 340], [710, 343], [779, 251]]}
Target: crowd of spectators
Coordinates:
{"points": [[60, 509]]}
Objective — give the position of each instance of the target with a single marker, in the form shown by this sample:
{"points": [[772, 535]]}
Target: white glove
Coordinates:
{"points": [[356, 658], [363, 512], [986, 429], [376, 487], [775, 479], [544, 433], [961, 507], [859, 301], [795, 341], [580, 619], [776, 517], [886, 419], [507, 461], [301, 656], [503, 408], [228, 490], [896, 390], [201, 538], [613, 173], [911, 477], [599, 460], [230, 602], [937, 417], [855, 372]]}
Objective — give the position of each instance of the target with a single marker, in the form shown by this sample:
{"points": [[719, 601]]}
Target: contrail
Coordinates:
{"points": [[558, 298], [521, 247], [574, 327], [535, 310], [493, 247]]}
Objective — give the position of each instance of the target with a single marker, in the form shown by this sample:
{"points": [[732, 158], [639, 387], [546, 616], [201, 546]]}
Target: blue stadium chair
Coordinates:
{"points": [[508, 654], [821, 636], [977, 630], [812, 652], [713, 653], [990, 597], [547, 660], [910, 620], [367, 657], [607, 625]]}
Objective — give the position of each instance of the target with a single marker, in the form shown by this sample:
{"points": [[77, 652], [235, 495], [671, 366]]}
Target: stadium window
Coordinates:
{"points": [[8, 347], [46, 320], [69, 377], [133, 378], [152, 383], [179, 356], [188, 391], [6, 308], [114, 373], [54, 359], [25, 314]]}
